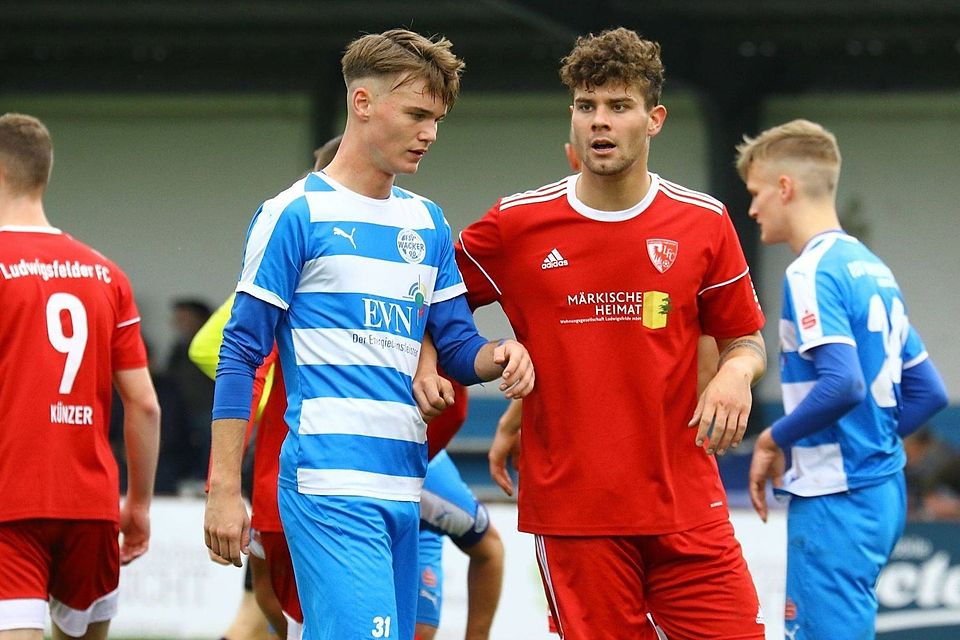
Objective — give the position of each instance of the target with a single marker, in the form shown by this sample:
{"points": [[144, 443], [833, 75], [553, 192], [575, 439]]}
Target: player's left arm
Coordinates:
{"points": [[141, 435], [725, 403], [469, 358], [923, 394]]}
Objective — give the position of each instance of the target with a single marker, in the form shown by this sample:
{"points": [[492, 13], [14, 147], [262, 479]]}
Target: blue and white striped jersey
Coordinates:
{"points": [[838, 291], [356, 277]]}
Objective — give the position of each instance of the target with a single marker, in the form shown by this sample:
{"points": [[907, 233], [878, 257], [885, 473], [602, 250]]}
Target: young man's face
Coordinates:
{"points": [[404, 124], [766, 205], [611, 128]]}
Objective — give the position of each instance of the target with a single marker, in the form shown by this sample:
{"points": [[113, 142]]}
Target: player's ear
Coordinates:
{"points": [[658, 115], [361, 102], [786, 187]]}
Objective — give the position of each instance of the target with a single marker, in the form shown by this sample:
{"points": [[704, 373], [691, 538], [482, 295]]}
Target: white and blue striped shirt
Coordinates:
{"points": [[837, 291], [356, 277]]}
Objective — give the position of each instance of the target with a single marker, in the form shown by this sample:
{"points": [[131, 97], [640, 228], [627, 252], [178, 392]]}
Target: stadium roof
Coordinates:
{"points": [[719, 45]]}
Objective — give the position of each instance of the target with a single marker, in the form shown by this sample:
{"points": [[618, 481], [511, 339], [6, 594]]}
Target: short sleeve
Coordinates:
{"points": [[729, 306], [817, 301], [914, 351], [449, 282], [127, 348], [275, 251], [479, 254]]}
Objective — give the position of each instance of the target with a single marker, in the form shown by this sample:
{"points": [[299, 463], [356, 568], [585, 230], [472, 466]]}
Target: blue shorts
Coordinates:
{"points": [[836, 546], [356, 564], [430, 594]]}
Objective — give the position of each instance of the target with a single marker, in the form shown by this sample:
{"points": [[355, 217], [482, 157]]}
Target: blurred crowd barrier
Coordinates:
{"points": [[176, 592]]}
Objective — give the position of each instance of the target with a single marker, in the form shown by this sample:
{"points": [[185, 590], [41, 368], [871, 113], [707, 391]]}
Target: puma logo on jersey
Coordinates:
{"points": [[337, 231], [553, 260]]}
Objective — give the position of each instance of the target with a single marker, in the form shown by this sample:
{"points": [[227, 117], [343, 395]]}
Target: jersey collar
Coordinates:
{"points": [[611, 216], [22, 228]]}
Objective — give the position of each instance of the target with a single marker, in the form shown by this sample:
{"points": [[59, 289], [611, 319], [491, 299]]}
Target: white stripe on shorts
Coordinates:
{"points": [[548, 581], [22, 613], [74, 622]]}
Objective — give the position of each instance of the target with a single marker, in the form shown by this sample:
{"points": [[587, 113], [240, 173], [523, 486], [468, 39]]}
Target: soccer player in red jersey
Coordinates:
{"points": [[610, 277], [70, 329]]}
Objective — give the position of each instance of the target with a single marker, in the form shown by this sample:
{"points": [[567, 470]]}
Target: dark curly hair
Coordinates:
{"points": [[617, 56]]}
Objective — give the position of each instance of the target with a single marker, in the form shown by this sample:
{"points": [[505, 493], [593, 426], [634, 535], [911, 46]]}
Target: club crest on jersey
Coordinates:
{"points": [[411, 246], [663, 253]]}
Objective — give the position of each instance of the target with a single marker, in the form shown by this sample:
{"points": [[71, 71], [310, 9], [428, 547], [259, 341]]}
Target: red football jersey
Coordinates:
{"points": [[68, 322], [271, 430], [610, 305]]}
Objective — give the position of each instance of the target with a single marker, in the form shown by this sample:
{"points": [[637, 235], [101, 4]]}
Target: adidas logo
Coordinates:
{"points": [[553, 260]]}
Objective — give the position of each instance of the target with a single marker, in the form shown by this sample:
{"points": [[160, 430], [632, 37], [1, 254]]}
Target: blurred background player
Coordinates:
{"points": [[856, 377], [191, 439], [71, 331], [601, 271]]}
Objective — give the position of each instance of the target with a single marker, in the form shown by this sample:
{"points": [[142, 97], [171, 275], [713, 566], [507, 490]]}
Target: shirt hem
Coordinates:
{"points": [[622, 530]]}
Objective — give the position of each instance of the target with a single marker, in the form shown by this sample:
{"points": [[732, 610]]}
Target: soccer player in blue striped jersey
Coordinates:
{"points": [[347, 272], [856, 378]]}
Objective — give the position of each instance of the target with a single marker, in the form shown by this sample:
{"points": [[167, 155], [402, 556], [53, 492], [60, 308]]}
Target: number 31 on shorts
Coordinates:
{"points": [[381, 627]]}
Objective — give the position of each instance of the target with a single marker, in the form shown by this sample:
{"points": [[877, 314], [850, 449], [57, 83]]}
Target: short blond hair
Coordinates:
{"points": [[800, 141], [408, 55], [26, 153]]}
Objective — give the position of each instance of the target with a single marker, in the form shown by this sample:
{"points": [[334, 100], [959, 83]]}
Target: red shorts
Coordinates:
{"points": [[73, 563], [281, 573], [694, 583]]}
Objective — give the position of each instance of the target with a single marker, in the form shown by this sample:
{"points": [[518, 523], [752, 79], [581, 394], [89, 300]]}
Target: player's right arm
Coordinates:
{"points": [[506, 443], [247, 340], [432, 392], [141, 435]]}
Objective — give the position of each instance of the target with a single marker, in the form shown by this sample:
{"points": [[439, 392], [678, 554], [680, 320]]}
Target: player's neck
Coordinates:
{"points": [[812, 220], [24, 211], [614, 192], [353, 168]]}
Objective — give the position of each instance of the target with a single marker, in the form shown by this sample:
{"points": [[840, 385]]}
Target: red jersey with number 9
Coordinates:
{"points": [[68, 321]]}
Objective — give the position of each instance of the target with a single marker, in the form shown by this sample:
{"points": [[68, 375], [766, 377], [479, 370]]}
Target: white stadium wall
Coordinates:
{"points": [[167, 185]]}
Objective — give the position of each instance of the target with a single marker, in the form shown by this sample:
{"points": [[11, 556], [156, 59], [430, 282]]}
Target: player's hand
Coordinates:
{"points": [[217, 559], [518, 375], [505, 443], [768, 463], [724, 407], [135, 530], [433, 393], [226, 525]]}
